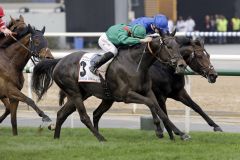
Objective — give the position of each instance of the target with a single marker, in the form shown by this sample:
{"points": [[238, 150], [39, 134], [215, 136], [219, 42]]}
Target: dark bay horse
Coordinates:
{"points": [[12, 62], [124, 82], [167, 84]]}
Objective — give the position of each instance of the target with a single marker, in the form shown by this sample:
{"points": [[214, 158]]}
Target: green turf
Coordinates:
{"points": [[122, 144]]}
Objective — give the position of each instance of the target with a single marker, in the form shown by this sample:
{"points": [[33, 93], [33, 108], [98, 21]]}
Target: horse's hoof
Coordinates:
{"points": [[46, 119], [172, 138], [218, 129], [159, 135], [101, 139], [51, 127], [185, 137], [40, 129]]}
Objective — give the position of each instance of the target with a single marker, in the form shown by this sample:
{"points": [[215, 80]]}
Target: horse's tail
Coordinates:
{"points": [[42, 76], [62, 95]]}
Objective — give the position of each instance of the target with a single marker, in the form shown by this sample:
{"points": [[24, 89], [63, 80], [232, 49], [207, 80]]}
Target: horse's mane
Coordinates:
{"points": [[183, 41]]}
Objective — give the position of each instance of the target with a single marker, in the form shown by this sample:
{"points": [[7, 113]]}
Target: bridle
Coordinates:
{"points": [[32, 51], [16, 25], [173, 58], [204, 70]]}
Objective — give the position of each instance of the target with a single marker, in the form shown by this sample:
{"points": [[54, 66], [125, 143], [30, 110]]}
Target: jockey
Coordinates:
{"points": [[153, 24], [3, 27], [120, 34]]}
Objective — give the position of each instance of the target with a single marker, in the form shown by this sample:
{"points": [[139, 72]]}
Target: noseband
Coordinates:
{"points": [[32, 49]]}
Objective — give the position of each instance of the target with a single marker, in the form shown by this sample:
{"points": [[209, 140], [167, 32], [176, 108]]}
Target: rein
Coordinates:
{"points": [[152, 53], [16, 25], [31, 52]]}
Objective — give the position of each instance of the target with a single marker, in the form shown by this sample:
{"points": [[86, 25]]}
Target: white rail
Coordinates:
{"points": [[98, 34], [229, 57]]}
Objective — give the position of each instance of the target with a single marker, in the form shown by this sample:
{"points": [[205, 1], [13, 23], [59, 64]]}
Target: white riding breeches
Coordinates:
{"points": [[106, 45]]}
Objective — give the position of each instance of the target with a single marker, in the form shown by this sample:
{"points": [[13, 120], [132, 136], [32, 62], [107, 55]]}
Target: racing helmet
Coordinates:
{"points": [[161, 22], [138, 31]]}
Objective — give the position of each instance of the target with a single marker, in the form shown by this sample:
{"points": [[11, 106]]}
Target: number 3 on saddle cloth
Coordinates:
{"points": [[85, 75]]}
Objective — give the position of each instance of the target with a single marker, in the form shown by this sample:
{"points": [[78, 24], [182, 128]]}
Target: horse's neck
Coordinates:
{"points": [[186, 51], [17, 54], [5, 41]]}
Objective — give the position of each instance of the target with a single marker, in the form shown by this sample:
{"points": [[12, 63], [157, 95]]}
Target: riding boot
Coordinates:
{"points": [[103, 59]]}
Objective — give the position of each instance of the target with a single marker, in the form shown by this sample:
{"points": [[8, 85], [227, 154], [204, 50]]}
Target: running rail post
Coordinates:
{"points": [[187, 109], [72, 121], [134, 108]]}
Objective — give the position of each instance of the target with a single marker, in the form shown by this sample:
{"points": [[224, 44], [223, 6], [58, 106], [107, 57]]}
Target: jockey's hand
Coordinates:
{"points": [[146, 40], [7, 32]]}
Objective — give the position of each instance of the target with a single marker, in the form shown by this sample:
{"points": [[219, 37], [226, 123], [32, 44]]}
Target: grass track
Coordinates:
{"points": [[122, 144]]}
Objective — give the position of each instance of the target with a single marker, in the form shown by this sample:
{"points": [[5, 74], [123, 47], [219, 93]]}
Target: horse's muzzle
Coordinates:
{"points": [[180, 67], [46, 54], [212, 76]]}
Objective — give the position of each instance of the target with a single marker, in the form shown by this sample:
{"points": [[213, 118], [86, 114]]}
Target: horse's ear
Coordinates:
{"points": [[21, 18], [160, 32], [43, 30], [30, 28], [173, 33], [12, 19]]}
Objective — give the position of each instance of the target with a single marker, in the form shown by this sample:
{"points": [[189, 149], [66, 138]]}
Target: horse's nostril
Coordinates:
{"points": [[182, 66]]}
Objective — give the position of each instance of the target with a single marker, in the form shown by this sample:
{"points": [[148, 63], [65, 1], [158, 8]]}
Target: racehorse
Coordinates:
{"points": [[124, 81], [167, 84], [12, 62]]}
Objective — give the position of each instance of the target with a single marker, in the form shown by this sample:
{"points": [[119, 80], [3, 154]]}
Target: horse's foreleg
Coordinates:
{"points": [[151, 101], [16, 94], [101, 109], [187, 100], [77, 100], [162, 103], [13, 110], [136, 98], [62, 115], [7, 109]]}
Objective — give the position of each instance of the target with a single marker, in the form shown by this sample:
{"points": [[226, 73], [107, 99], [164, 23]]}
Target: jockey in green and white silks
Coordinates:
{"points": [[120, 34]]}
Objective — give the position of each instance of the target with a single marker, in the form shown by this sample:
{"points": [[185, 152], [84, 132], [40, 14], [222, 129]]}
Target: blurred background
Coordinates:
{"points": [[97, 16]]}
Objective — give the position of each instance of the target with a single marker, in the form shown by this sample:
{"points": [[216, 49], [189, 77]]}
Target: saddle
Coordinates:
{"points": [[85, 75]]}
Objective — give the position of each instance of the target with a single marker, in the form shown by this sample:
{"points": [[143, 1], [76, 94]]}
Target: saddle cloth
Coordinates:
{"points": [[85, 75]]}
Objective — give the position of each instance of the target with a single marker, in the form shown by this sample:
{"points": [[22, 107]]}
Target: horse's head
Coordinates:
{"points": [[39, 44], [198, 59], [167, 44], [18, 26]]}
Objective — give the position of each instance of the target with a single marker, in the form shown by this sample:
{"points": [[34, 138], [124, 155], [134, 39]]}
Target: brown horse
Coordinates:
{"points": [[16, 26], [31, 43]]}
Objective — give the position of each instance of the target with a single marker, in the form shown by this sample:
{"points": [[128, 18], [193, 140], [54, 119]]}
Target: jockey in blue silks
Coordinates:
{"points": [[152, 24]]}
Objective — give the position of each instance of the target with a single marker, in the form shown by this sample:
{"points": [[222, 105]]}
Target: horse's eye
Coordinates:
{"points": [[36, 43], [169, 47], [199, 55]]}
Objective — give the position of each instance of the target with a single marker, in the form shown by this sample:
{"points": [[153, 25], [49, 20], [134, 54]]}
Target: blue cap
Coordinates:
{"points": [[161, 22]]}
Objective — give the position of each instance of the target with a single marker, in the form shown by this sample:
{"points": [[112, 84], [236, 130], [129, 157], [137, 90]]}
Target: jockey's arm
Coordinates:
{"points": [[126, 40], [6, 31]]}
